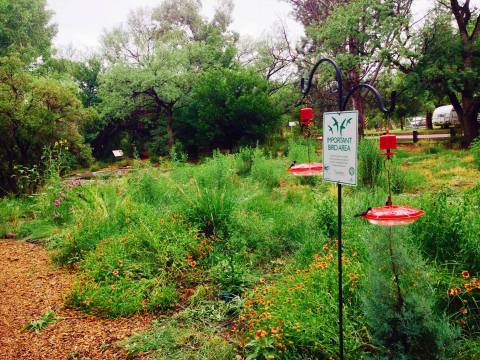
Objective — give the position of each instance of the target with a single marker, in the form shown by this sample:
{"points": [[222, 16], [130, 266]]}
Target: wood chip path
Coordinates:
{"points": [[29, 286]]}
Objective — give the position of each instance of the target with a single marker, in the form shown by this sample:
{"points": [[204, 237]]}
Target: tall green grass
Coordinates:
{"points": [[186, 240]]}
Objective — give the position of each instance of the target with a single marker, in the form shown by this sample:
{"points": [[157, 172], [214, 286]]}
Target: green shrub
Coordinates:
{"points": [[370, 163], [475, 150], [244, 161], [138, 269], [100, 213], [163, 297], [152, 189], [326, 216], [296, 314], [399, 303], [267, 171], [449, 230], [12, 211], [298, 150], [212, 202]]}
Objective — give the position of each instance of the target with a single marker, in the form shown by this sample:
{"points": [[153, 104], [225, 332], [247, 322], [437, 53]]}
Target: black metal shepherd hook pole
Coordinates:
{"points": [[341, 106]]}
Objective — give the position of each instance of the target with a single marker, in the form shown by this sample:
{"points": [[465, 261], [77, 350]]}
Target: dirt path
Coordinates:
{"points": [[29, 286]]}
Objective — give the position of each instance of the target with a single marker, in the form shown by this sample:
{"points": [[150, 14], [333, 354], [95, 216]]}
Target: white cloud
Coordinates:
{"points": [[80, 23]]}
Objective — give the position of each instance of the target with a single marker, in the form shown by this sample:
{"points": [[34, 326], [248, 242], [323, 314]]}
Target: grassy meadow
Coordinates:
{"points": [[237, 259]]}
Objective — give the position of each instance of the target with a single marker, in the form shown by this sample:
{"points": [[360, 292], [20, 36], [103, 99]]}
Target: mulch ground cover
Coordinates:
{"points": [[29, 287]]}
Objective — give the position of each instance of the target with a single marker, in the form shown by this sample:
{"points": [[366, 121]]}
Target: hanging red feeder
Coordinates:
{"points": [[306, 116], [307, 169], [387, 143], [393, 215]]}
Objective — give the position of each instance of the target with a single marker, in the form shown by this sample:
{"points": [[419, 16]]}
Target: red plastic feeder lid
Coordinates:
{"points": [[388, 141], [307, 169], [306, 114], [393, 215]]}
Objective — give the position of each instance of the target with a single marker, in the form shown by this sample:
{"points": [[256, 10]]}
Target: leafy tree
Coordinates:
{"points": [[358, 34], [25, 28], [226, 109], [36, 112], [441, 63], [462, 66], [155, 60]]}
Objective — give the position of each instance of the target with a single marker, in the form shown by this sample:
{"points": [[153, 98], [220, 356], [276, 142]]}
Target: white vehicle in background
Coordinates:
{"points": [[445, 116], [418, 122]]}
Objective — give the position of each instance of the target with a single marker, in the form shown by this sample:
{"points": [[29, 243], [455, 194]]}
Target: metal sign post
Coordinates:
{"points": [[337, 161]]}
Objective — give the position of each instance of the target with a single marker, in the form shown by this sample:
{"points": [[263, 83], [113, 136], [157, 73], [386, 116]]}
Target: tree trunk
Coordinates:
{"points": [[357, 98], [469, 123], [359, 105], [171, 135], [429, 118]]}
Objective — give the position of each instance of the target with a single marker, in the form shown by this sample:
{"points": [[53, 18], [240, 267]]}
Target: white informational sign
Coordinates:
{"points": [[340, 145], [292, 123], [117, 153]]}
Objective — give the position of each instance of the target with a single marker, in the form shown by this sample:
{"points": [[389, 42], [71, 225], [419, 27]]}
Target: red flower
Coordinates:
{"points": [[465, 274], [468, 287], [260, 333]]}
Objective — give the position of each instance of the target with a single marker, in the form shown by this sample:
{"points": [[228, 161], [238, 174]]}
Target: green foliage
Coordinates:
{"points": [[402, 179], [298, 150], [326, 216], [211, 205], [462, 300], [449, 231], [154, 64], [399, 303], [226, 109], [11, 212], [370, 162], [25, 28], [47, 318], [186, 240], [293, 314], [475, 149], [244, 160], [36, 113], [135, 270], [266, 171], [177, 341]]}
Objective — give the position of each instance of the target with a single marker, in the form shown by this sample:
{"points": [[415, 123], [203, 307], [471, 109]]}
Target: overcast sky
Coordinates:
{"points": [[81, 22]]}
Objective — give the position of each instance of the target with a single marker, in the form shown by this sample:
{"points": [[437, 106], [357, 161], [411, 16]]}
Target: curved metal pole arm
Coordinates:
{"points": [[378, 97], [338, 77]]}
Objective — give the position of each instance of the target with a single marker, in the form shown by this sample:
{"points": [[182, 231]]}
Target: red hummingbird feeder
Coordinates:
{"points": [[391, 215], [309, 168]]}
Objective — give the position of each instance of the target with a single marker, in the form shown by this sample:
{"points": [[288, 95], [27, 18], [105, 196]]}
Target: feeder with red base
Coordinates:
{"points": [[307, 169], [306, 116], [393, 215]]}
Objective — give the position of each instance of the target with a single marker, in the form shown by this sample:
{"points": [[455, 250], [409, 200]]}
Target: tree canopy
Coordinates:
{"points": [[25, 28]]}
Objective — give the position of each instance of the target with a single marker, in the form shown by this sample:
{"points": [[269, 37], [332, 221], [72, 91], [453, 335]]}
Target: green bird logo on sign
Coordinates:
{"points": [[339, 127]]}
